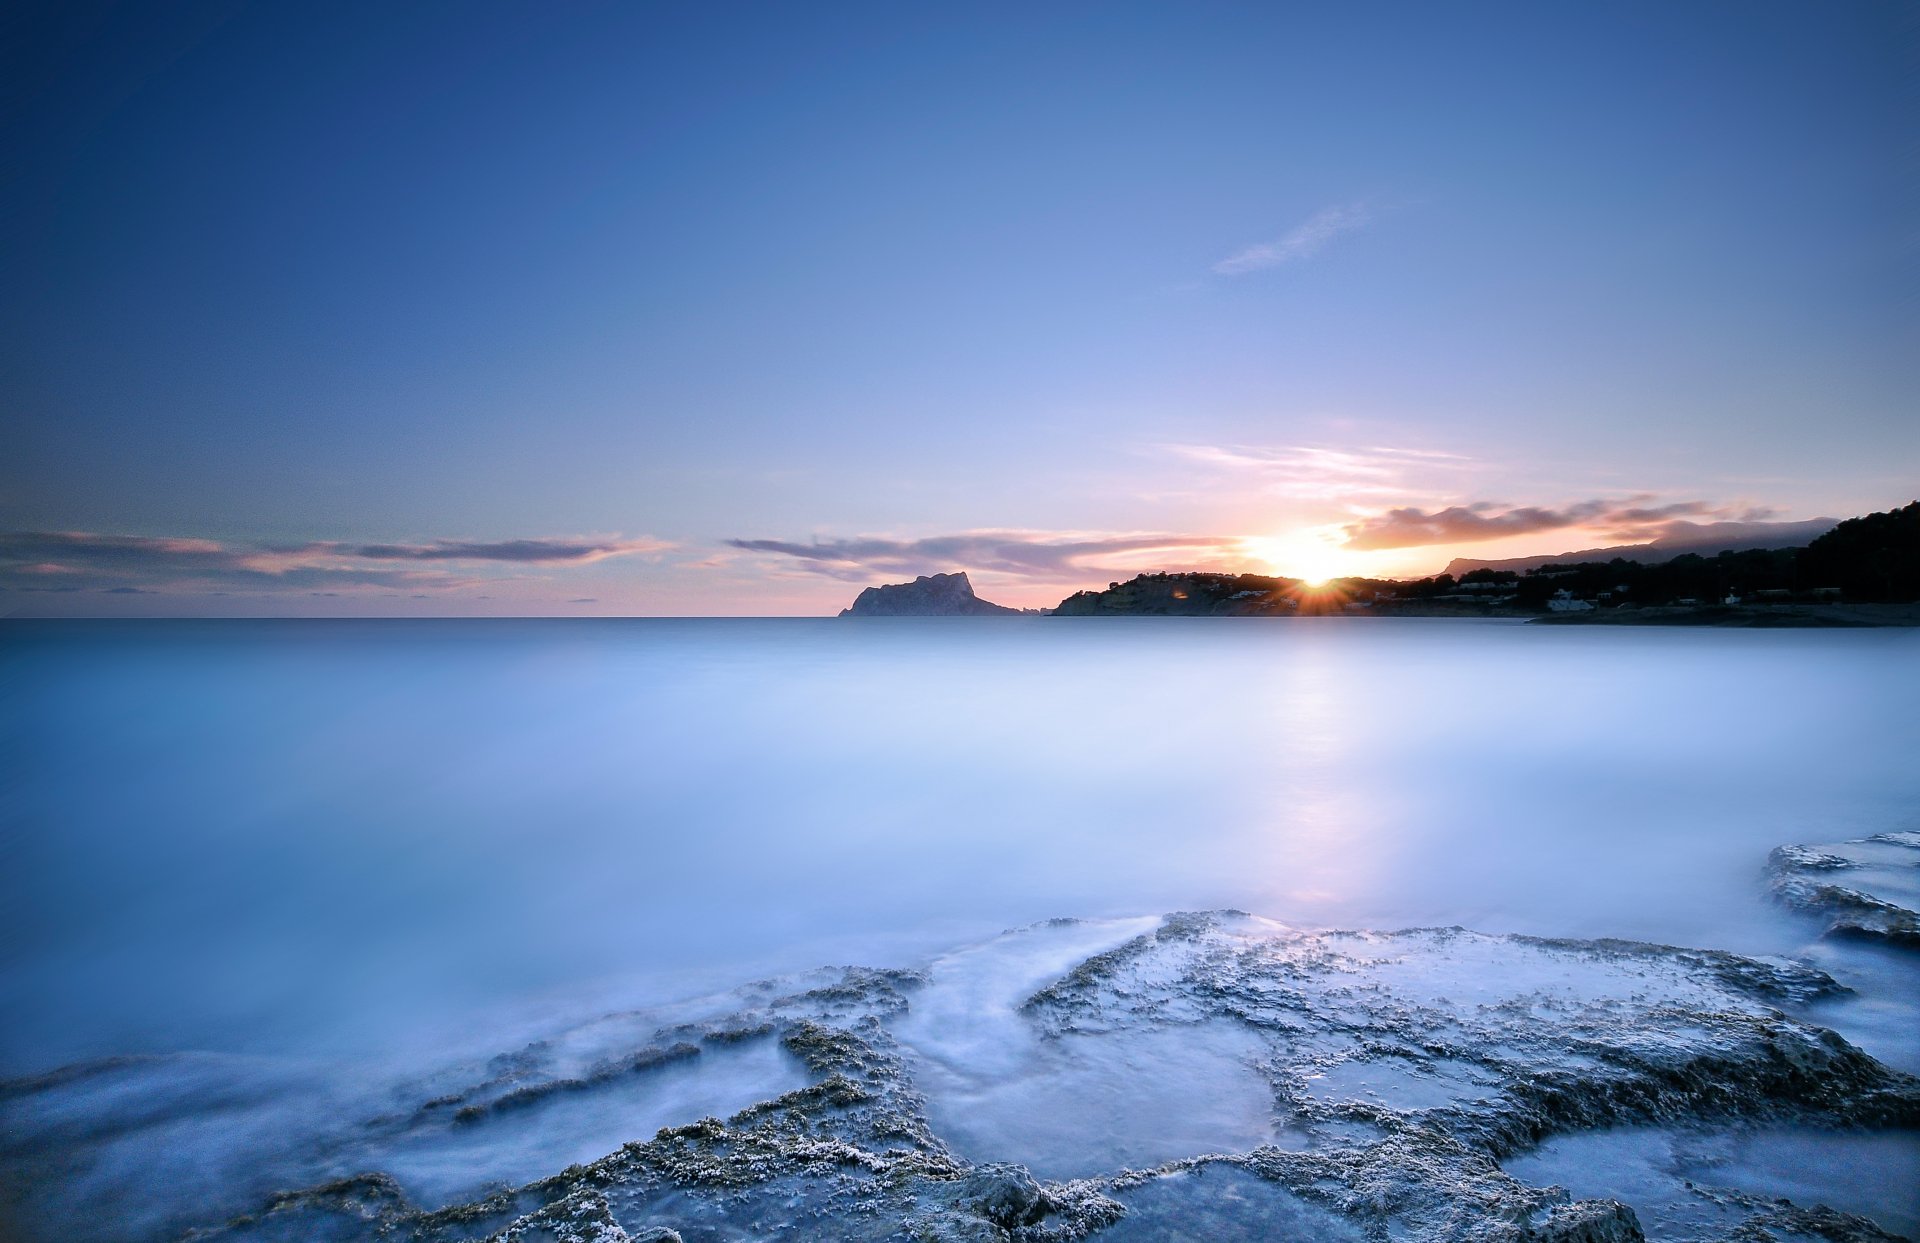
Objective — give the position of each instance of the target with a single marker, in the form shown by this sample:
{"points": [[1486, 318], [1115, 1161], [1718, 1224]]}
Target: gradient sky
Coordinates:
{"points": [[686, 309]]}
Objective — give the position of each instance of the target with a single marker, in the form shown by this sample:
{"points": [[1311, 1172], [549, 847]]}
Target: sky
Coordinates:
{"points": [[694, 309]]}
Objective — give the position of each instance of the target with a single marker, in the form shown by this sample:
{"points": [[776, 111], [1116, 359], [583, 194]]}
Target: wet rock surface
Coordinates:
{"points": [[1868, 887], [1698, 1182], [1409, 1065], [1404, 1068]]}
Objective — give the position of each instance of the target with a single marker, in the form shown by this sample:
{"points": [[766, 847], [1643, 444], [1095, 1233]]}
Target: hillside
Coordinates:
{"points": [[1701, 539]]}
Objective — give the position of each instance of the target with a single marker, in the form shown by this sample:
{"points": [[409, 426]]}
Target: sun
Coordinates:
{"points": [[1313, 556]]}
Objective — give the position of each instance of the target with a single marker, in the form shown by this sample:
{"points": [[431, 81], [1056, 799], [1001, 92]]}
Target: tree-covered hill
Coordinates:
{"points": [[1871, 559]]}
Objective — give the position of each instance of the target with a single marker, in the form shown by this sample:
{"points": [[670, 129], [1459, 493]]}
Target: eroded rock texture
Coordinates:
{"points": [[1868, 887], [1402, 1068]]}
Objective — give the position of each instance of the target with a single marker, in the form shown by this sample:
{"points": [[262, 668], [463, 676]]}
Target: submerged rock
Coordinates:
{"points": [[1868, 887], [1004, 1194], [1591, 1221]]}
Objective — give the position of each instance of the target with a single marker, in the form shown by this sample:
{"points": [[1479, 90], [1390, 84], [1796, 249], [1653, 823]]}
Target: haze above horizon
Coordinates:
{"points": [[676, 309]]}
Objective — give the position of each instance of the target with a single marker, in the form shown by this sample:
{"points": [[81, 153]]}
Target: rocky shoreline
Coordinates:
{"points": [[1401, 1070], [1868, 887]]}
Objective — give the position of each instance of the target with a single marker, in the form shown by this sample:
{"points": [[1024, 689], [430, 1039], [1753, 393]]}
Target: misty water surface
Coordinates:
{"points": [[320, 863], [297, 836]]}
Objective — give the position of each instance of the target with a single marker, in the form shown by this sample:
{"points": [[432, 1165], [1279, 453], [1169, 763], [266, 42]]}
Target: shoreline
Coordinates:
{"points": [[1746, 616]]}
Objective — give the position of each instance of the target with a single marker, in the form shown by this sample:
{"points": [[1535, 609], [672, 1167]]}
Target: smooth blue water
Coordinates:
{"points": [[262, 836], [325, 856]]}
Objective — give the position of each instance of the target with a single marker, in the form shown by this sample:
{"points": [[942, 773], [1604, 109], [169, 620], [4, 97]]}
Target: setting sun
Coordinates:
{"points": [[1312, 555]]}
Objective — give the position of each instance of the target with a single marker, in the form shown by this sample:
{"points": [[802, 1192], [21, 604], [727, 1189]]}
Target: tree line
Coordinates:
{"points": [[1872, 558]]}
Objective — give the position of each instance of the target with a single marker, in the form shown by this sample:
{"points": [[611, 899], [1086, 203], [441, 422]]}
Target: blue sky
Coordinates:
{"points": [[730, 309]]}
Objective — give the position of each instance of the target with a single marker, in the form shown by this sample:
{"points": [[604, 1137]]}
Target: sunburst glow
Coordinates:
{"points": [[1312, 555]]}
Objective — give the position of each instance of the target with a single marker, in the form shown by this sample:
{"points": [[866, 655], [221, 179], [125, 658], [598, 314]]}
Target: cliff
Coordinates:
{"points": [[933, 595]]}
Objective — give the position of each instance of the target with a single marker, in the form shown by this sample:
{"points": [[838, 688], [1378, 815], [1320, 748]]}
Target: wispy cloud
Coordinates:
{"points": [[1040, 555], [1304, 241], [130, 564], [1634, 519], [521, 551], [1313, 472]]}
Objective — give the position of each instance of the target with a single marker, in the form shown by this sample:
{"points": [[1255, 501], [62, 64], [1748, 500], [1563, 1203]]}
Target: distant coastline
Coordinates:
{"points": [[1748, 616], [1861, 572]]}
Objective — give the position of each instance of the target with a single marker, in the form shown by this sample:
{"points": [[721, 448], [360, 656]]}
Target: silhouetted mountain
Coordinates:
{"points": [[1704, 539], [935, 595]]}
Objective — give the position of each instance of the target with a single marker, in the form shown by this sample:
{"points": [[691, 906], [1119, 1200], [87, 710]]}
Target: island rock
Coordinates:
{"points": [[930, 595]]}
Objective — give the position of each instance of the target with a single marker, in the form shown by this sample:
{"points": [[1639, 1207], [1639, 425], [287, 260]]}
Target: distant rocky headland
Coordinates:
{"points": [[1192, 595], [930, 595], [1862, 572]]}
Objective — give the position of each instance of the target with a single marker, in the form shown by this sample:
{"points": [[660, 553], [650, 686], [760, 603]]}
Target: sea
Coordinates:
{"points": [[329, 855]]}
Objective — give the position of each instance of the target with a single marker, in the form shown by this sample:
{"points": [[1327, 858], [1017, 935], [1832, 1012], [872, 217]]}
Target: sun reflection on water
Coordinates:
{"points": [[1321, 843]]}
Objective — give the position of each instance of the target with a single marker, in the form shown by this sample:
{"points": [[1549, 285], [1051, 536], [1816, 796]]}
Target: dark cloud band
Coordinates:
{"points": [[129, 564], [1627, 521]]}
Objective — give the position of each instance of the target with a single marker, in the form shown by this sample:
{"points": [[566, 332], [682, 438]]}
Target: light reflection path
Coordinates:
{"points": [[1321, 844]]}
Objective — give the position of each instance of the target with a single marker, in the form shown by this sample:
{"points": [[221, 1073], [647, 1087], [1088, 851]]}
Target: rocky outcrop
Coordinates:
{"points": [[1188, 595], [1868, 887], [1408, 1064], [931, 595]]}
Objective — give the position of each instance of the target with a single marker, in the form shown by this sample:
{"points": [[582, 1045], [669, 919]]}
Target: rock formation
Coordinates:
{"points": [[1868, 887], [1409, 1065], [931, 595]]}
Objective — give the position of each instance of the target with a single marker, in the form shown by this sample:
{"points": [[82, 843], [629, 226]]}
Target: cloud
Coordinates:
{"points": [[130, 564], [1304, 241], [522, 551], [1632, 520], [1315, 472], [65, 552], [1041, 555]]}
